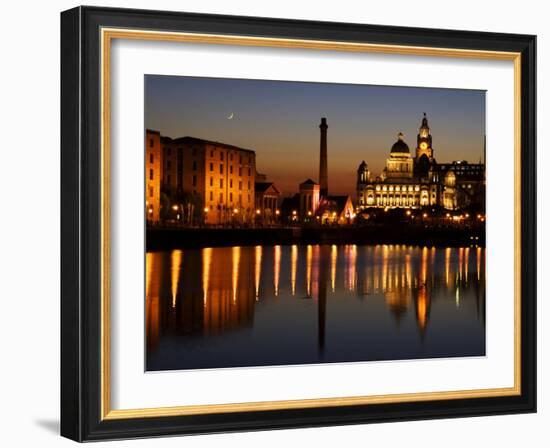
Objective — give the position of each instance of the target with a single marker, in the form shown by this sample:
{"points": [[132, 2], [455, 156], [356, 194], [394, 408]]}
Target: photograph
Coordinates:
{"points": [[295, 223]]}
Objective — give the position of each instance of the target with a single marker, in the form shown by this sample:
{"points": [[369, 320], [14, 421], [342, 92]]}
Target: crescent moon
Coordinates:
{"points": [[230, 116]]}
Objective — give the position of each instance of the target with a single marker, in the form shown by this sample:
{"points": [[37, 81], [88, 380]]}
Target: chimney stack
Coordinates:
{"points": [[323, 175]]}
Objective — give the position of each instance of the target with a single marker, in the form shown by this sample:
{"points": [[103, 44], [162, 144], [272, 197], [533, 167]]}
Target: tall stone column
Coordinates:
{"points": [[323, 172]]}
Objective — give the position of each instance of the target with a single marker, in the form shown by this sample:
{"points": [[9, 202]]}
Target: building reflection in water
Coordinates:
{"points": [[293, 268], [216, 290]]}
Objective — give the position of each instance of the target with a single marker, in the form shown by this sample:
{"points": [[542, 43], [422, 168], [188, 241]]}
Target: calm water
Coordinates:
{"points": [[253, 306]]}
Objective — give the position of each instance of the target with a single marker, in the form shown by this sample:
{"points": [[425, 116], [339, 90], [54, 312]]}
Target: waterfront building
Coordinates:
{"points": [[267, 202], [152, 176], [309, 198], [209, 181], [336, 210], [419, 181]]}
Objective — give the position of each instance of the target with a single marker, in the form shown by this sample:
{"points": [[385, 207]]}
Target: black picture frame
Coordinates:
{"points": [[81, 210]]}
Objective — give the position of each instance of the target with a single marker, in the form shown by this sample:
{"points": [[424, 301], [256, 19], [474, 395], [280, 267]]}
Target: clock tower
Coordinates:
{"points": [[424, 141]]}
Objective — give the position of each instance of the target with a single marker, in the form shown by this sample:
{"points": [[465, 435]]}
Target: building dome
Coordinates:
{"points": [[400, 146]]}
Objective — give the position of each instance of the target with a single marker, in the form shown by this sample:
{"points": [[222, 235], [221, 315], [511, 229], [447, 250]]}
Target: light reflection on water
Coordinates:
{"points": [[272, 305]]}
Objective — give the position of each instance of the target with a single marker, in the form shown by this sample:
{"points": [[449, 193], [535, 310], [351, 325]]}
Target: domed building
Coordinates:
{"points": [[419, 181], [400, 163]]}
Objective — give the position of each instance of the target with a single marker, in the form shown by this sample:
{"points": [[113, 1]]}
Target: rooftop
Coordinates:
{"points": [[200, 141]]}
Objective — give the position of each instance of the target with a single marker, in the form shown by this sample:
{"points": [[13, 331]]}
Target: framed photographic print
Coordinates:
{"points": [[274, 223]]}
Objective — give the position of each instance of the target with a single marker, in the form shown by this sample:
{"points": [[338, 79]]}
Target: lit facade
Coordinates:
{"points": [[267, 202], [153, 175], [309, 198], [209, 182], [419, 181]]}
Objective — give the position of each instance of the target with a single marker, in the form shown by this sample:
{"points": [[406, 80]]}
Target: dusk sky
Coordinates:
{"points": [[280, 121]]}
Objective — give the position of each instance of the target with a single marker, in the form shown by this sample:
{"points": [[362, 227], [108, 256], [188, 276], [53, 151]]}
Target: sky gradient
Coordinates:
{"points": [[280, 121]]}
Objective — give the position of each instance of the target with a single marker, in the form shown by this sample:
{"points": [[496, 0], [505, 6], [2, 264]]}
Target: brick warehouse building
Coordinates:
{"points": [[206, 181], [153, 174]]}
